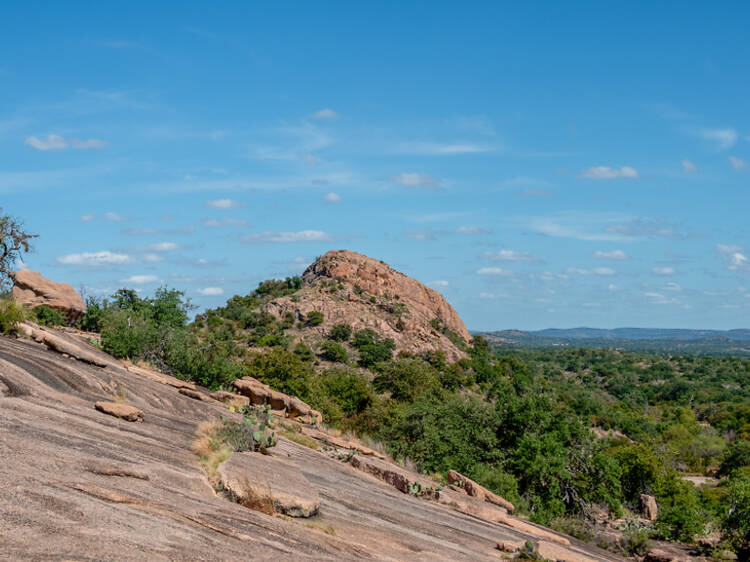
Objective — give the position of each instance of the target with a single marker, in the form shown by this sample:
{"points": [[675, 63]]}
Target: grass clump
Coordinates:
{"points": [[11, 314]]}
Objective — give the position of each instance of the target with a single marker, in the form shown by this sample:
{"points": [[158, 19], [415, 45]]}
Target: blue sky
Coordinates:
{"points": [[540, 164]]}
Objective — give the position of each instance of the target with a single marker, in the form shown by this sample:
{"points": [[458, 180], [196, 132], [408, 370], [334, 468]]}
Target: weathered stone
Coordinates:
{"points": [[230, 398], [33, 290], [478, 491], [194, 394], [260, 393], [509, 546], [122, 411], [417, 318], [551, 551], [251, 477], [664, 555], [649, 510]]}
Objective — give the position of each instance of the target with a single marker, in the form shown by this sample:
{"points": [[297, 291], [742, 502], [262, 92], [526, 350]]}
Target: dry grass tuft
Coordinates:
{"points": [[210, 449], [301, 439], [257, 499]]}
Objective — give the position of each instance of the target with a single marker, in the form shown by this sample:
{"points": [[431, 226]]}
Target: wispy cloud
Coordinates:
{"points": [[56, 142], [618, 255], [734, 256], [226, 221], [494, 271], [723, 139], [607, 173], [411, 179], [287, 237], [737, 163], [225, 204], [113, 217], [140, 279], [441, 149], [604, 271], [658, 298], [324, 114], [470, 230], [509, 255], [211, 291], [163, 247], [95, 259], [332, 198], [666, 271], [688, 166], [87, 218]]}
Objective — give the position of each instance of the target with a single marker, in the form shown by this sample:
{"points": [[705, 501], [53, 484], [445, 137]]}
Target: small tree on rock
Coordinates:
{"points": [[13, 241]]}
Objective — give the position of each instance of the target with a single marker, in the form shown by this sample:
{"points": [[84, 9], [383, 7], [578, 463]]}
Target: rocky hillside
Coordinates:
{"points": [[351, 288], [101, 461]]}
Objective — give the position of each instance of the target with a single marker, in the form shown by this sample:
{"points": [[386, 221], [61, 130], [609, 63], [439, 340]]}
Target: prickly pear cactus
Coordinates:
{"points": [[257, 420]]}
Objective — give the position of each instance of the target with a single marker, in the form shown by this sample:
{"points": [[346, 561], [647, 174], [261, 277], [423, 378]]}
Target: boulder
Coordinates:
{"points": [[649, 510], [230, 398], [664, 555], [260, 393], [122, 411], [194, 394], [552, 551], [33, 290], [509, 546], [254, 478], [478, 491]]}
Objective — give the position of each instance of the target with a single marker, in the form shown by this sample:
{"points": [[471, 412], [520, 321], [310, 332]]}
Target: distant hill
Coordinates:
{"points": [[654, 340]]}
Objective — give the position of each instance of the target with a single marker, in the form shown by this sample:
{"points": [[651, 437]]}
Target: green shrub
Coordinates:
{"points": [[340, 333], [11, 314], [736, 521], [283, 371], [736, 455], [340, 393], [334, 352], [372, 350], [47, 316], [304, 352], [314, 318], [406, 379], [128, 334]]}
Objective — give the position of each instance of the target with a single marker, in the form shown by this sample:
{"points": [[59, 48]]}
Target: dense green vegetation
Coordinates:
{"points": [[557, 432]]}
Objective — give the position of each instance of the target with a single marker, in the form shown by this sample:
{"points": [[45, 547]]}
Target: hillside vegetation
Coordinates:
{"points": [[562, 434]]}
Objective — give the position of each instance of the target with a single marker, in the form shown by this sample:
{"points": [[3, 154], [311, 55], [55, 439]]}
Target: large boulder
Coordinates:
{"points": [[260, 393], [478, 491], [33, 290], [259, 481]]}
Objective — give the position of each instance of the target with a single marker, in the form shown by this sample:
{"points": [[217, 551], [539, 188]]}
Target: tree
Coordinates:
{"points": [[13, 241]]}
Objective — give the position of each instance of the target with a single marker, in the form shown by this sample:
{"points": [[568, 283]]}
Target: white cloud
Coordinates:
{"points": [[287, 237], [227, 221], [612, 287], [310, 159], [724, 138], [497, 271], [438, 149], [734, 256], [113, 217], [87, 218], [52, 142], [93, 259], [672, 286], [56, 142], [509, 255], [491, 296], [324, 114], [411, 179], [440, 283], [618, 255], [164, 247], [605, 271], [211, 291], [140, 279], [658, 298], [607, 173], [332, 198], [662, 271], [224, 204], [689, 167], [737, 163], [471, 230], [152, 258]]}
